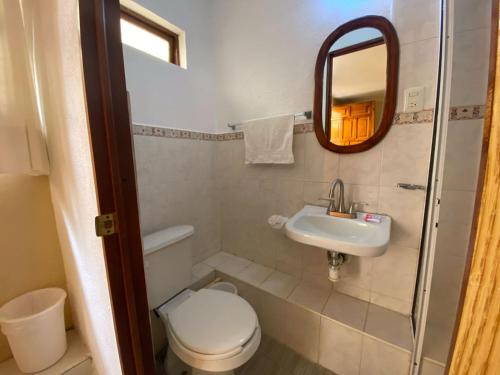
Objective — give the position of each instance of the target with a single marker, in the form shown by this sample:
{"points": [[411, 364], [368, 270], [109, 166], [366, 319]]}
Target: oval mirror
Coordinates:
{"points": [[356, 81]]}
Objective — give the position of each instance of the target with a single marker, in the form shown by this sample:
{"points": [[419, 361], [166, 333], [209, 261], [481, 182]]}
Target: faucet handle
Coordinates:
{"points": [[352, 207], [327, 199]]}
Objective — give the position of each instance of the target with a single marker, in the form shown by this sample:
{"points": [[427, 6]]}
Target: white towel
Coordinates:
{"points": [[269, 141]]}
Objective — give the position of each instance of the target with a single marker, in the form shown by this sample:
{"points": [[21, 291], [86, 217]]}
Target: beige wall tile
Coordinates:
{"points": [[470, 66], [217, 259], [302, 331], [406, 208], [339, 348], [365, 195], [314, 191], [429, 367], [406, 154], [361, 168], [416, 20], [289, 258], [272, 312], [457, 206], [418, 67], [378, 358], [200, 271], [356, 272], [176, 185], [453, 239], [398, 263], [471, 15], [463, 152], [320, 164]]}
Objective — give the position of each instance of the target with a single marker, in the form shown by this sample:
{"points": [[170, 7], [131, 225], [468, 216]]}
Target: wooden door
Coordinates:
{"points": [[476, 342], [353, 123]]}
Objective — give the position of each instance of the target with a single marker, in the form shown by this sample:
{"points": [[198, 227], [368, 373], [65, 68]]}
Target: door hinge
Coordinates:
{"points": [[105, 225]]}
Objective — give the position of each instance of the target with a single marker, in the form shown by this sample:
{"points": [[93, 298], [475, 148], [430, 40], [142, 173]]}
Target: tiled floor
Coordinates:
{"points": [[274, 358]]}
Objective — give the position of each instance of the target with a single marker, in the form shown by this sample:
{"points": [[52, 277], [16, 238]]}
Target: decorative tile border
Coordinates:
{"points": [[470, 112], [425, 116], [411, 118]]}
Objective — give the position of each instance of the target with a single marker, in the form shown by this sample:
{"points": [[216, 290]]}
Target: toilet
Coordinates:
{"points": [[212, 331]]}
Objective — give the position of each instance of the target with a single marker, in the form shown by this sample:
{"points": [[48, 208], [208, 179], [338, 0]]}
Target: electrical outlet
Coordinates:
{"points": [[414, 99]]}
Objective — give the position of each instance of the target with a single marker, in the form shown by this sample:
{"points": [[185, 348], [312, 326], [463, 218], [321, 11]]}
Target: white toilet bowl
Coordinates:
{"points": [[210, 330]]}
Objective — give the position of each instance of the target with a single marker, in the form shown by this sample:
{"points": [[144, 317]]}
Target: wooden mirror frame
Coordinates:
{"points": [[392, 44]]}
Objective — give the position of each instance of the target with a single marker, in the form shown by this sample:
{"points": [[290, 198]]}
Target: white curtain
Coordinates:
{"points": [[22, 141]]}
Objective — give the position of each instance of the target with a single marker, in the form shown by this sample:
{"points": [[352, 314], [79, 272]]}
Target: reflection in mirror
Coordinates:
{"points": [[356, 86]]}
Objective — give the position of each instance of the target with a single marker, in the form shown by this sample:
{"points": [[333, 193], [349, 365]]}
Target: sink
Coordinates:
{"points": [[312, 226]]}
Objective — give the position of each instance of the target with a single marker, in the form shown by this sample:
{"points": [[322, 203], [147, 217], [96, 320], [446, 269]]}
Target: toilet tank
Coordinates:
{"points": [[167, 263]]}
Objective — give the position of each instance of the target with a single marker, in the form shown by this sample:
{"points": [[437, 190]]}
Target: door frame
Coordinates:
{"points": [[113, 158]]}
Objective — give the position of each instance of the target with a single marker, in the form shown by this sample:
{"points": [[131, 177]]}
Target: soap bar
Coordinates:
{"points": [[373, 218]]}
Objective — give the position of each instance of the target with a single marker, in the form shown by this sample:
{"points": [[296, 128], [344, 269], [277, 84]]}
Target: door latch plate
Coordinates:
{"points": [[105, 225]]}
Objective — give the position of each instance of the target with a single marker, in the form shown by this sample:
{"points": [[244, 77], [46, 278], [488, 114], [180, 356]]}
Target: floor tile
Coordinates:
{"points": [[310, 296], [280, 284], [255, 274], [305, 367], [347, 310], [260, 365], [217, 259], [233, 266], [389, 326], [289, 359]]}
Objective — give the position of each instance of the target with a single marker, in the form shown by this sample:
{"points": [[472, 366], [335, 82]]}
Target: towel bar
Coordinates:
{"points": [[306, 114]]}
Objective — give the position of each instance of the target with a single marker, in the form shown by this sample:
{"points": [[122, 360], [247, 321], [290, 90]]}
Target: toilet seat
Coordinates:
{"points": [[213, 330], [213, 322]]}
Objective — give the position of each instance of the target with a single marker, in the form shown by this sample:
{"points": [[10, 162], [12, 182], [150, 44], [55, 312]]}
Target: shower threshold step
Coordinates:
{"points": [[364, 317]]}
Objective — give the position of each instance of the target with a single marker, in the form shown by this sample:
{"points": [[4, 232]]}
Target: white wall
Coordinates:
{"points": [[72, 181], [252, 59], [164, 94], [266, 50]]}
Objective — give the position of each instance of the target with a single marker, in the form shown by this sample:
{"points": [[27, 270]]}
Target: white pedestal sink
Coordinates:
{"points": [[312, 226]]}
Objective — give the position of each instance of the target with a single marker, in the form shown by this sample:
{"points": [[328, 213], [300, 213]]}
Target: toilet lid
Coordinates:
{"points": [[213, 322]]}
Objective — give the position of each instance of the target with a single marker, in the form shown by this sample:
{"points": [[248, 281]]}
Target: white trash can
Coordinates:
{"points": [[34, 326]]}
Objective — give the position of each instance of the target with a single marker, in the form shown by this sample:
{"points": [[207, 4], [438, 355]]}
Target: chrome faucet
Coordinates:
{"points": [[338, 209]]}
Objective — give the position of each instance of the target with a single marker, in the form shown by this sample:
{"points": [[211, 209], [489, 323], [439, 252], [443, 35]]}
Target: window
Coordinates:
{"points": [[149, 37]]}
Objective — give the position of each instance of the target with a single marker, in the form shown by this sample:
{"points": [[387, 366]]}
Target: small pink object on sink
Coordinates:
{"points": [[373, 218]]}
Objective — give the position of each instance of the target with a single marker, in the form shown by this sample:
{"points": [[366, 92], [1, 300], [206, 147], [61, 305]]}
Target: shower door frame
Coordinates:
{"points": [[435, 182], [436, 177]]}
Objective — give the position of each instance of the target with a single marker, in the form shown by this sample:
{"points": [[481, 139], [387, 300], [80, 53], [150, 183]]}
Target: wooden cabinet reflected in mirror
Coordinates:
{"points": [[356, 85]]}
